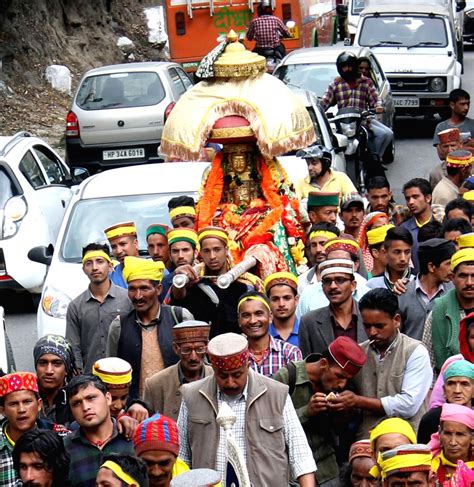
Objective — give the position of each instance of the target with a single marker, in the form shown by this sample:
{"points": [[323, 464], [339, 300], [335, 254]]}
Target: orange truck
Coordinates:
{"points": [[195, 27]]}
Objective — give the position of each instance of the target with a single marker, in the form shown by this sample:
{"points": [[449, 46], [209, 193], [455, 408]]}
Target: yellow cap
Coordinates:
{"points": [[461, 256], [137, 268], [124, 229], [377, 235], [465, 241]]}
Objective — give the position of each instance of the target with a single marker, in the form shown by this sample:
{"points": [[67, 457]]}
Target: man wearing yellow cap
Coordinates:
{"points": [[390, 433], [123, 241], [201, 296], [375, 240], [441, 330], [143, 336], [406, 465], [182, 244], [281, 289], [89, 315], [458, 168]]}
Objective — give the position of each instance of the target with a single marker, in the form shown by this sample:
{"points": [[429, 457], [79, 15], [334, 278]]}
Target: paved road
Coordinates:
{"points": [[415, 156]]}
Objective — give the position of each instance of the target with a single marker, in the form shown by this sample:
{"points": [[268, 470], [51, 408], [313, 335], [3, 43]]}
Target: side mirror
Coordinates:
{"points": [[342, 142], [79, 174], [41, 254], [460, 6]]}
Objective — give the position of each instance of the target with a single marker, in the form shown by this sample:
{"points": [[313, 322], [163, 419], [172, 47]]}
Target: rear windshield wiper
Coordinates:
{"points": [[425, 43], [386, 43]]}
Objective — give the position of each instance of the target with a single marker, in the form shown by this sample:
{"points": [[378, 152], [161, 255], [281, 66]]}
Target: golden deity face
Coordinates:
{"points": [[238, 162]]}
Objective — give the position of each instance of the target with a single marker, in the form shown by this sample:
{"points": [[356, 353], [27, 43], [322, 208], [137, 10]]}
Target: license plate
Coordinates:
{"points": [[123, 154], [406, 102]]}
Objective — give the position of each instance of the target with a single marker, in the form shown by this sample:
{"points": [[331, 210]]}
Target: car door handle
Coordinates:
{"points": [[63, 202]]}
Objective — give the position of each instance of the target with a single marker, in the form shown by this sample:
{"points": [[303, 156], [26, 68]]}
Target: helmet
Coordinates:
{"points": [[264, 7], [347, 59], [317, 152]]}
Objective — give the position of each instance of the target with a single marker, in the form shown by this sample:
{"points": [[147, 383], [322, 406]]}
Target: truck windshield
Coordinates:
{"points": [[403, 31], [358, 6]]}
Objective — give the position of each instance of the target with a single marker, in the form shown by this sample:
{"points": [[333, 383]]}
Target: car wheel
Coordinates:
{"points": [[389, 154]]}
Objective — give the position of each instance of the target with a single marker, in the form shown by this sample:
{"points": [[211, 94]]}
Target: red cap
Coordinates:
{"points": [[347, 354], [19, 381]]}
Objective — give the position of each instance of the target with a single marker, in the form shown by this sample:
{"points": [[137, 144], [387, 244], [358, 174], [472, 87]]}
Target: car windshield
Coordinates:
{"points": [[358, 6], [120, 90], [89, 218], [311, 77], [403, 31]]}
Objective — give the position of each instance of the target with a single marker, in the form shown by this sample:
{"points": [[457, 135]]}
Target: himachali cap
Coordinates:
{"points": [[351, 200], [361, 449], [469, 195], [465, 241], [183, 235], [331, 266], [199, 477], [449, 135], [377, 235], [214, 232], [459, 158], [436, 250], [113, 371], [343, 242], [138, 268], [462, 256], [19, 381], [125, 229], [191, 331], [181, 206], [318, 199], [405, 458], [287, 278], [158, 228], [157, 433], [228, 351], [347, 354]]}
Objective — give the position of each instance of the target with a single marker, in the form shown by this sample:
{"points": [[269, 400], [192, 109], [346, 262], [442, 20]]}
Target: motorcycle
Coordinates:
{"points": [[272, 55], [361, 163]]}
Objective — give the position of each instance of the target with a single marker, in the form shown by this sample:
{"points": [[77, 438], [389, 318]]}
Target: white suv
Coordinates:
{"points": [[416, 46], [34, 193]]}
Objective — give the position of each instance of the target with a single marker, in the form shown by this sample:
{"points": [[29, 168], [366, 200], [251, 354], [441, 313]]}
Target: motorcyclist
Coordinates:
{"points": [[350, 89], [267, 31]]}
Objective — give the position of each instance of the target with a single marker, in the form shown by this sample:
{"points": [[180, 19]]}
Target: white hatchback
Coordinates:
{"points": [[34, 193]]}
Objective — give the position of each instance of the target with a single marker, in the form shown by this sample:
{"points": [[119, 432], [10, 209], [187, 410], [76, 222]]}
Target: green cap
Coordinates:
{"points": [[157, 228], [317, 198]]}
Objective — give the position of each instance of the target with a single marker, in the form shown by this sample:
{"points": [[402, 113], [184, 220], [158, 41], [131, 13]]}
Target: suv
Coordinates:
{"points": [[34, 193], [118, 113], [416, 45]]}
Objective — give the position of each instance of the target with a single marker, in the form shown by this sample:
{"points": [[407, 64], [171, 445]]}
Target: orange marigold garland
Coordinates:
{"points": [[214, 186]]}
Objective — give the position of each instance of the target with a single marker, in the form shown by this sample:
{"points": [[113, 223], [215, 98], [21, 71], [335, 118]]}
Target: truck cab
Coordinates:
{"points": [[417, 47]]}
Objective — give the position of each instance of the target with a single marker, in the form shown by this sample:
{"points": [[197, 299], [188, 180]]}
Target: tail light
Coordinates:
{"points": [[168, 110], [72, 125], [180, 24]]}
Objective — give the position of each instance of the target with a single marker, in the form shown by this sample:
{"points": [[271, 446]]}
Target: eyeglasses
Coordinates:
{"points": [[327, 281], [190, 350]]}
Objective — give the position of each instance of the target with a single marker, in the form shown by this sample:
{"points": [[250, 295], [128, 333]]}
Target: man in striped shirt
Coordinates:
{"points": [[266, 354]]}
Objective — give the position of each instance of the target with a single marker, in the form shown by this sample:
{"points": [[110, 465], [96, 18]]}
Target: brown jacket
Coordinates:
{"points": [[162, 391], [267, 455]]}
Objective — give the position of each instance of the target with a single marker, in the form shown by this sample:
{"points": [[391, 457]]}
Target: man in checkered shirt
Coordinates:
{"points": [[267, 31], [350, 89]]}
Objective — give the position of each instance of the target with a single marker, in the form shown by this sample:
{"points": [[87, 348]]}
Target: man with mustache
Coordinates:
{"points": [[319, 328], [441, 332], [89, 315], [123, 241], [352, 214], [315, 381], [397, 375], [267, 429], [40, 459], [143, 335], [162, 390]]}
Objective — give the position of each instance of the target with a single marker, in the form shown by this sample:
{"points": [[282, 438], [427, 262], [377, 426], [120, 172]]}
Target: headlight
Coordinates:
{"points": [[437, 84], [349, 129], [55, 303], [14, 212]]}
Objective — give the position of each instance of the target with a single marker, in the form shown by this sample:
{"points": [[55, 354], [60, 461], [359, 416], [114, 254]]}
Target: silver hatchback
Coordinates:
{"points": [[118, 113]]}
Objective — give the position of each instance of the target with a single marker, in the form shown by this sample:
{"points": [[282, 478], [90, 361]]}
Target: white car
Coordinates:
{"points": [[135, 193], [34, 193]]}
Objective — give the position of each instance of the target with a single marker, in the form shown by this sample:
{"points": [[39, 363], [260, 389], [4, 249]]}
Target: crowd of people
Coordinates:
{"points": [[356, 370]]}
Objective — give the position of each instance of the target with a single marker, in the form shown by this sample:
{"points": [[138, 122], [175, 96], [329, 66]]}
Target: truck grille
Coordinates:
{"points": [[400, 84]]}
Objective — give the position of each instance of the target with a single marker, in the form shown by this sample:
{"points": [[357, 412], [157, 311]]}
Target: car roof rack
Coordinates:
{"points": [[14, 140]]}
